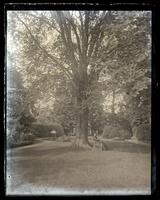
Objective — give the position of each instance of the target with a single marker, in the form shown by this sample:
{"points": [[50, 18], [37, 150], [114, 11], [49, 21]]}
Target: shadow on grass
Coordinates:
{"points": [[46, 166], [126, 146]]}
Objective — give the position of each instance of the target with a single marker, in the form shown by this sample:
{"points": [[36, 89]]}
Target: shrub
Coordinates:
{"points": [[16, 139], [143, 132], [115, 131], [118, 120], [45, 130], [124, 134], [110, 132], [58, 128], [41, 130], [29, 137]]}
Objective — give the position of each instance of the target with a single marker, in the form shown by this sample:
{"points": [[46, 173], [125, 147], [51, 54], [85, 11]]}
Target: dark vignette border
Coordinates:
{"points": [[110, 5]]}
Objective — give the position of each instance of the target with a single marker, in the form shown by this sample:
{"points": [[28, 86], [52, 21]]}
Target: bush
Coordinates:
{"points": [[58, 128], [143, 132], [118, 120], [115, 131], [110, 132], [124, 134], [63, 139], [29, 137], [17, 138], [41, 130]]}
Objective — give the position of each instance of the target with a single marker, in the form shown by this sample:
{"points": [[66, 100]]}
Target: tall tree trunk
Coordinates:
{"points": [[113, 102], [84, 126], [92, 126], [81, 118]]}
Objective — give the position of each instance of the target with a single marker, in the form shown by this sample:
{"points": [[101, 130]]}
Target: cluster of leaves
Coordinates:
{"points": [[117, 120]]}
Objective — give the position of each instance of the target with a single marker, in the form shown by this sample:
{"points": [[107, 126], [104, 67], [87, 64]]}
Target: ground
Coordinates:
{"points": [[49, 167]]}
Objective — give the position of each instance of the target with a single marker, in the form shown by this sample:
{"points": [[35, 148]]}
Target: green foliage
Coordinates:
{"points": [[26, 121], [44, 130], [96, 119], [58, 128], [41, 130], [140, 110], [111, 131], [116, 126], [63, 109], [143, 132], [29, 137], [118, 120]]}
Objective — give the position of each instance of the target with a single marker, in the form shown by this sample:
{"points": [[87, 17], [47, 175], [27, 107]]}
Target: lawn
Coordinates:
{"points": [[53, 167]]}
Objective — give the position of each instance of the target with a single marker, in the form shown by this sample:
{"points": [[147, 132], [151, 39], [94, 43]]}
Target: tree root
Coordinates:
{"points": [[79, 145]]}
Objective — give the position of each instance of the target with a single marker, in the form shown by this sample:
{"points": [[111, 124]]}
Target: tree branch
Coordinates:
{"points": [[97, 34], [45, 21], [76, 34], [66, 35], [86, 30], [65, 70]]}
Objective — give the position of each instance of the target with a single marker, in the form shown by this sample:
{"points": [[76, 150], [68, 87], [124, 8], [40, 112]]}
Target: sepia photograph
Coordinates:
{"points": [[78, 102]]}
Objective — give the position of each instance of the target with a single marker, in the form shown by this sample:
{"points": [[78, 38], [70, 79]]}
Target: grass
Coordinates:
{"points": [[127, 146], [24, 143], [51, 164]]}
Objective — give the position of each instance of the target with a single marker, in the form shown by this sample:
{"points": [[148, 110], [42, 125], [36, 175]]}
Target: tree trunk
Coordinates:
{"points": [[84, 126], [113, 102], [92, 126], [81, 138]]}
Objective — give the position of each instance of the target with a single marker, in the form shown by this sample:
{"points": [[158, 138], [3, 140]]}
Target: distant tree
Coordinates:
{"points": [[18, 116]]}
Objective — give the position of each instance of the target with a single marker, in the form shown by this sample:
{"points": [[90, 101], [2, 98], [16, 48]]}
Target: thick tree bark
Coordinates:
{"points": [[81, 117], [113, 102], [92, 126], [81, 139], [84, 126]]}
